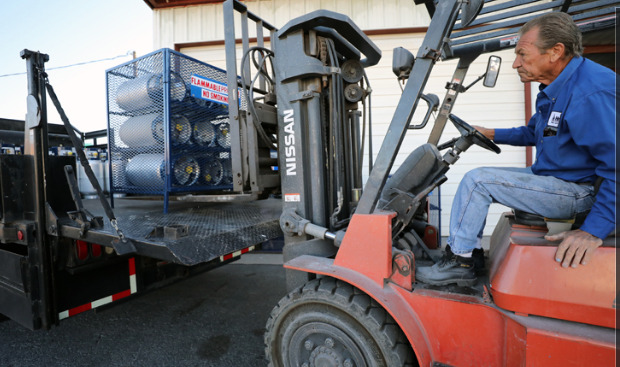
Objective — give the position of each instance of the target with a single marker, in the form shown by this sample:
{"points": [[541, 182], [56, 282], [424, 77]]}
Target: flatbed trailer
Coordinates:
{"points": [[61, 255], [84, 271]]}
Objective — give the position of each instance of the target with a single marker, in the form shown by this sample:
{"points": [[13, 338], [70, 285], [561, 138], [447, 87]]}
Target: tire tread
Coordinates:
{"points": [[370, 314]]}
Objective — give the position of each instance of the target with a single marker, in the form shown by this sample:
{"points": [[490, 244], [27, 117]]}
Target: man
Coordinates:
{"points": [[573, 130]]}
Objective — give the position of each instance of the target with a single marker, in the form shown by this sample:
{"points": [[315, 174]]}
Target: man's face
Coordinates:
{"points": [[531, 64]]}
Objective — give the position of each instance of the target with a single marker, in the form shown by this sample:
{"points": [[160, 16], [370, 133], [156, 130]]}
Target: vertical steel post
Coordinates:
{"points": [[260, 42], [246, 121], [355, 117], [316, 159], [236, 152], [36, 151], [109, 144], [167, 138], [450, 98]]}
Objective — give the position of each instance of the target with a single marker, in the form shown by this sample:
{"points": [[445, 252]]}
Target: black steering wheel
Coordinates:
{"points": [[476, 136]]}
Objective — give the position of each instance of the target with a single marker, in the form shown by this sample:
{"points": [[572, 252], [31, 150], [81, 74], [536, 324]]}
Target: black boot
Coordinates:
{"points": [[479, 265], [450, 269], [479, 262]]}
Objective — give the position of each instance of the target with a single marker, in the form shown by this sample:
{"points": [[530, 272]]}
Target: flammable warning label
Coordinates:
{"points": [[208, 89]]}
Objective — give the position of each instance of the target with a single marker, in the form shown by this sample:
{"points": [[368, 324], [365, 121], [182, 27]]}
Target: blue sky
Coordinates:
{"points": [[70, 32]]}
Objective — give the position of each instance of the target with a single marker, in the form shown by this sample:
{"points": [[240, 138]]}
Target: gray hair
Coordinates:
{"points": [[553, 28]]}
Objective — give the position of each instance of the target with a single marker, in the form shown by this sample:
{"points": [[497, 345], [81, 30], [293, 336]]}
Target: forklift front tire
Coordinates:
{"points": [[329, 322]]}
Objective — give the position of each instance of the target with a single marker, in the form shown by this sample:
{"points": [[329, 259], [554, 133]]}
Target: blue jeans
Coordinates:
{"points": [[516, 188]]}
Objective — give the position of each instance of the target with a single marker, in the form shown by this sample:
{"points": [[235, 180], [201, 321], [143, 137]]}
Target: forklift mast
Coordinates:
{"points": [[320, 83]]}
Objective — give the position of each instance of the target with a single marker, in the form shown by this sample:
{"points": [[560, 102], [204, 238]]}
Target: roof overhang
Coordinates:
{"points": [[159, 4]]}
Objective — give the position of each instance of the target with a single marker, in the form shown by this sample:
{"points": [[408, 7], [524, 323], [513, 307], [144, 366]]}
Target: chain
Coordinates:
{"points": [[118, 230]]}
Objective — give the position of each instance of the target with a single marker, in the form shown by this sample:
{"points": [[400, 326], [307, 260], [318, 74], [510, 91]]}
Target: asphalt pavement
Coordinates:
{"points": [[214, 319]]}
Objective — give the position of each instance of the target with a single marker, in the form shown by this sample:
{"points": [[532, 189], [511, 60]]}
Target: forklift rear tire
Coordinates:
{"points": [[328, 322]]}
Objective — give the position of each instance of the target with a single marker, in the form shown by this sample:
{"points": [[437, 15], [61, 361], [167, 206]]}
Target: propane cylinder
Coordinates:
{"points": [[118, 174], [203, 133], [148, 170], [98, 167], [223, 135], [148, 130], [8, 149], [185, 171], [103, 157], [65, 151], [227, 176], [147, 91], [211, 171]]}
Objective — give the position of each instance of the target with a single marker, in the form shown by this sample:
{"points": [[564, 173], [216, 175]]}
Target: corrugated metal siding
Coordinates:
{"points": [[502, 106], [205, 22]]}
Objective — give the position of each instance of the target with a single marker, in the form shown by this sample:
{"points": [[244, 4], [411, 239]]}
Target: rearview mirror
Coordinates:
{"points": [[490, 77], [469, 11], [402, 63]]}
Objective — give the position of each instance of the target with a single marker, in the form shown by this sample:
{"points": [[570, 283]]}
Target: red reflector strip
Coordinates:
{"points": [[96, 250], [237, 253], [120, 295], [82, 249], [79, 309], [105, 300]]}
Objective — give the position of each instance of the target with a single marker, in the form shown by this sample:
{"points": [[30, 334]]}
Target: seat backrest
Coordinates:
{"points": [[421, 167]]}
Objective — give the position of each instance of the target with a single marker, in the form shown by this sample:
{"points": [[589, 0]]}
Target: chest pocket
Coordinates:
{"points": [[553, 126]]}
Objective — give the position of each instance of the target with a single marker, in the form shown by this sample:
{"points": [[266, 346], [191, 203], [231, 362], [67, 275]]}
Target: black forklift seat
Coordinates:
{"points": [[530, 219]]}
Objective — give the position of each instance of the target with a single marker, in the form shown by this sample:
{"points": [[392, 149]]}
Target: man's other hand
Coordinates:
{"points": [[576, 247]]}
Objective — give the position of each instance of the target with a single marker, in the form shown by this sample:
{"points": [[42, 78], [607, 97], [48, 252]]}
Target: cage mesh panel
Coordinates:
{"points": [[198, 136]]}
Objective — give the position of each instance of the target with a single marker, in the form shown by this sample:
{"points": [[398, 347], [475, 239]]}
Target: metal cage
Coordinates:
{"points": [[168, 126]]}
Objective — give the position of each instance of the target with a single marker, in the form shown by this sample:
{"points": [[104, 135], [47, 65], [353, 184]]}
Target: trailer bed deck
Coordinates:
{"points": [[190, 233]]}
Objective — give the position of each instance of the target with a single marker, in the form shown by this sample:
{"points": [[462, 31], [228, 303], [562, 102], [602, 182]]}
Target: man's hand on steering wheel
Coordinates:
{"points": [[489, 133], [476, 136]]}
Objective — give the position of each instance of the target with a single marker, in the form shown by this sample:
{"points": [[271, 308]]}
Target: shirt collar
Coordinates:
{"points": [[554, 89]]}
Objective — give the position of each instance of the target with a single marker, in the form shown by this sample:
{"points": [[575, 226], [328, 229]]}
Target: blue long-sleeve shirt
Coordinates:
{"points": [[574, 131]]}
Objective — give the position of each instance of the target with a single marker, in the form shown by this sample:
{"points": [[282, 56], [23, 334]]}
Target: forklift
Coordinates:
{"points": [[351, 251]]}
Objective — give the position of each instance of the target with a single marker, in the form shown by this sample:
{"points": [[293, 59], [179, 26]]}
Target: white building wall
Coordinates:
{"points": [[205, 22], [502, 106]]}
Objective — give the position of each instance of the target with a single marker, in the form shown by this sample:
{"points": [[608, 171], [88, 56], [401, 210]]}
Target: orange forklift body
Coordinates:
{"points": [[535, 314], [526, 280]]}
